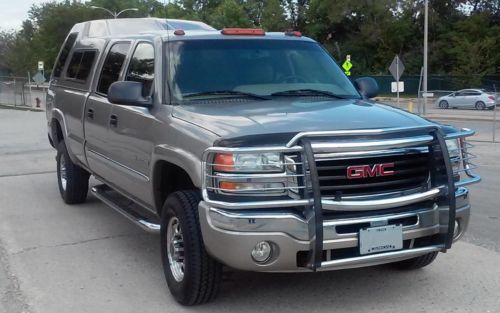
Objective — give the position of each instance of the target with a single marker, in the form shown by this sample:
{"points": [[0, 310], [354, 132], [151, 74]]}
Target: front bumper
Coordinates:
{"points": [[230, 235]]}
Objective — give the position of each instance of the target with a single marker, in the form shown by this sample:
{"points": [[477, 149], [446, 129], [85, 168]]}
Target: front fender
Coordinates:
{"points": [[190, 162]]}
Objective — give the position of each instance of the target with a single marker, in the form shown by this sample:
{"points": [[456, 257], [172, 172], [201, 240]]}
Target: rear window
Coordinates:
{"points": [[63, 56], [80, 65]]}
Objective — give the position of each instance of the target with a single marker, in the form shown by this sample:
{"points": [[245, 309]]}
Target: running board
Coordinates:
{"points": [[145, 223]]}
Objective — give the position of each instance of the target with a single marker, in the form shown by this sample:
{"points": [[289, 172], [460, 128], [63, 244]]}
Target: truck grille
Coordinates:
{"points": [[410, 171]]}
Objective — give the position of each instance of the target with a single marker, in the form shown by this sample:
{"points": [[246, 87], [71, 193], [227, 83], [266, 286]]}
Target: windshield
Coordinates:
{"points": [[218, 68]]}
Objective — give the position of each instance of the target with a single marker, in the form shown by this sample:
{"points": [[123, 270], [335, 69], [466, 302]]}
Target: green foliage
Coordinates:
{"points": [[229, 13], [274, 16], [475, 45], [464, 35]]}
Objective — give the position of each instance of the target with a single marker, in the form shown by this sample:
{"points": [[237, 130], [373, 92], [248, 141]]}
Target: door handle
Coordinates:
{"points": [[113, 120], [90, 114]]}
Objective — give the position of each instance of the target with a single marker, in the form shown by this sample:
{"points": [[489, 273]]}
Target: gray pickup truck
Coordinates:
{"points": [[251, 150]]}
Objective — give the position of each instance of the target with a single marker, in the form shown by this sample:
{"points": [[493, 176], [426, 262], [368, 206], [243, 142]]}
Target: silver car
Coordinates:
{"points": [[468, 98]]}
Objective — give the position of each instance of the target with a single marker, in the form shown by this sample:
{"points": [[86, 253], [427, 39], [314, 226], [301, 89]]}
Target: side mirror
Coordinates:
{"points": [[367, 86], [128, 93]]}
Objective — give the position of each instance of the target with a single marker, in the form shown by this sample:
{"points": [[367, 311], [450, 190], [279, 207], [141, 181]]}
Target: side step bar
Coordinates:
{"points": [[141, 221]]}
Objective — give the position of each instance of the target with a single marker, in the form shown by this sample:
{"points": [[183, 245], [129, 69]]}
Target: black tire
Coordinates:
{"points": [[416, 263], [77, 179], [480, 105], [443, 104], [201, 274]]}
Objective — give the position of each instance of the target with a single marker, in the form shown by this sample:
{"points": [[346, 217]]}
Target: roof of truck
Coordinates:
{"points": [[134, 26], [166, 29]]}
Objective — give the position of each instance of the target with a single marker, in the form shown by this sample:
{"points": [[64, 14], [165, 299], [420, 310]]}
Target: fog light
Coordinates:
{"points": [[262, 252]]}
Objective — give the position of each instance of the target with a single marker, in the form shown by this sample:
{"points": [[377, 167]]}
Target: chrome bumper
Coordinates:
{"points": [[230, 235]]}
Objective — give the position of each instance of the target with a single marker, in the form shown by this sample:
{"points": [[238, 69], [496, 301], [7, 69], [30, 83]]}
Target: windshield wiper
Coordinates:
{"points": [[225, 93], [307, 92]]}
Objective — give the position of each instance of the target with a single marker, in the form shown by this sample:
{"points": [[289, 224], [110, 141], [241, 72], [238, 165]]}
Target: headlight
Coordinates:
{"points": [[453, 148], [248, 162], [454, 152], [250, 174]]}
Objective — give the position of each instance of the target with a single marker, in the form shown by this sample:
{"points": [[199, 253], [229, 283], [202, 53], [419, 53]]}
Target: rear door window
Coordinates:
{"points": [[112, 66], [80, 65], [63, 55], [141, 67]]}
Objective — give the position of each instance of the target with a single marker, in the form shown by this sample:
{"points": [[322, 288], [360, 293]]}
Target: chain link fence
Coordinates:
{"points": [[20, 92]]}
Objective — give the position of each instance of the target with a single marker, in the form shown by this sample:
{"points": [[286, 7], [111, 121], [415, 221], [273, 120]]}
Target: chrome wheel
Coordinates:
{"points": [[175, 250], [63, 172]]}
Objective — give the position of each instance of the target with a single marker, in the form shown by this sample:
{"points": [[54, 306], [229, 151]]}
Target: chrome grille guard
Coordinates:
{"points": [[306, 144]]}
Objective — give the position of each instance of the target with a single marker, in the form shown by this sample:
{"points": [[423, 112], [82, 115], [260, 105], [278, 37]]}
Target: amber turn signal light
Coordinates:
{"points": [[224, 162]]}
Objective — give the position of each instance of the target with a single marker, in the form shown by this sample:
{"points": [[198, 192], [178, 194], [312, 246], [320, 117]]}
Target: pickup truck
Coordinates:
{"points": [[251, 150]]}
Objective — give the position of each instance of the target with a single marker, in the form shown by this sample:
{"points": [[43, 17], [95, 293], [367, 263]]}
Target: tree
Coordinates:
{"points": [[229, 13], [462, 33], [7, 40], [297, 10], [474, 48], [273, 16]]}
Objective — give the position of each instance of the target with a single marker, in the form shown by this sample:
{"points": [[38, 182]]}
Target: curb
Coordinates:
{"points": [[20, 108], [458, 118]]}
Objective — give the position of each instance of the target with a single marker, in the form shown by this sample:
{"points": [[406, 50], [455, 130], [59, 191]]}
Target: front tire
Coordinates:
{"points": [[192, 275], [443, 104], [73, 180], [416, 263]]}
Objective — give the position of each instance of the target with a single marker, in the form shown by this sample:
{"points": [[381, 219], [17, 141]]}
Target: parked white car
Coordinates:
{"points": [[468, 98]]}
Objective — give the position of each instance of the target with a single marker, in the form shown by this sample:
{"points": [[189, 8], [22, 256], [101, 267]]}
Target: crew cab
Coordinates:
{"points": [[251, 150]]}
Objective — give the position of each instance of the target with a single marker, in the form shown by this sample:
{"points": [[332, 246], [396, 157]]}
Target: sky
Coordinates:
{"points": [[14, 12]]}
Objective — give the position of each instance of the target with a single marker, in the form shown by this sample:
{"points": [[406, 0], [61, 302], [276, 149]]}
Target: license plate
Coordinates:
{"points": [[380, 239]]}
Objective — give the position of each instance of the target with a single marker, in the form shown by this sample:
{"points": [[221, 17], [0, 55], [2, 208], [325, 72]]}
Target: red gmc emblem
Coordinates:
{"points": [[365, 171]]}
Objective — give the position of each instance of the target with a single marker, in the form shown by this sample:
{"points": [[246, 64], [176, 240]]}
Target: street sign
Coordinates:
{"points": [[347, 65], [40, 65], [39, 78], [397, 68], [398, 87], [428, 94]]}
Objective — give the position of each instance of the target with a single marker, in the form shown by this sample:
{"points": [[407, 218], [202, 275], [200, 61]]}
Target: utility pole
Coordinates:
{"points": [[426, 39]]}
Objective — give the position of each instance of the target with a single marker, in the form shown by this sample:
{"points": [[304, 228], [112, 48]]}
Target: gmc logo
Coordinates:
{"points": [[365, 171]]}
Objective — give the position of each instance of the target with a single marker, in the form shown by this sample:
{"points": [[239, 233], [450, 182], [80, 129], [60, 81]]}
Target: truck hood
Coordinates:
{"points": [[239, 118]]}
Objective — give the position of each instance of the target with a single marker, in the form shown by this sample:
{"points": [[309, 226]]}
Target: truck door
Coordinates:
{"points": [[98, 111], [131, 129], [72, 90]]}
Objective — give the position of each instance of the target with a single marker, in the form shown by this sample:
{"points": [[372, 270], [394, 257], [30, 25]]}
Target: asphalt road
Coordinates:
{"points": [[87, 258], [484, 129]]}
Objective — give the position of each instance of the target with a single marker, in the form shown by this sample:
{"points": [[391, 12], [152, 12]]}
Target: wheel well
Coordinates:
{"points": [[56, 130], [169, 178]]}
